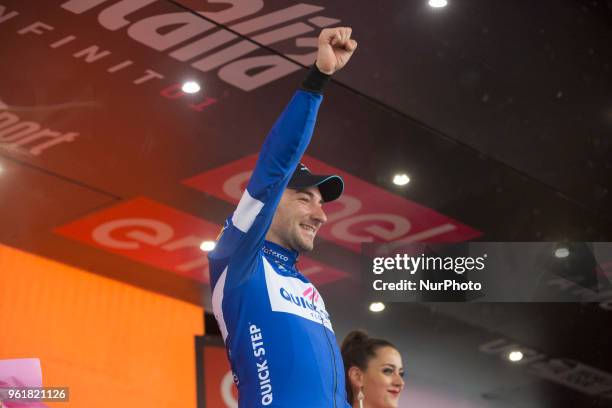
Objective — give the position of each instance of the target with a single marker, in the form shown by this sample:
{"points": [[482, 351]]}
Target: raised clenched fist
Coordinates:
{"points": [[335, 49]]}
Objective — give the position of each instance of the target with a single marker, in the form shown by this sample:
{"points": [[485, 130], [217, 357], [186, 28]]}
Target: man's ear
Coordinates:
{"points": [[355, 376]]}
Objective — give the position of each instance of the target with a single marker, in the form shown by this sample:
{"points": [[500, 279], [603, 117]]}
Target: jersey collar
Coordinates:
{"points": [[280, 255]]}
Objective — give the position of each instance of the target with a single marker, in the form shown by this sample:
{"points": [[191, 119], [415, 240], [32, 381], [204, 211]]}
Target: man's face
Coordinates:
{"points": [[298, 217]]}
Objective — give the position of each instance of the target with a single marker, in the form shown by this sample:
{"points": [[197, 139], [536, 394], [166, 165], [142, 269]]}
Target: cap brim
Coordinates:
{"points": [[330, 186]]}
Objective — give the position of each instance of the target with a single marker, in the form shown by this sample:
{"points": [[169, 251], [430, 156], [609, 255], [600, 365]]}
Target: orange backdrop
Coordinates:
{"points": [[112, 344]]}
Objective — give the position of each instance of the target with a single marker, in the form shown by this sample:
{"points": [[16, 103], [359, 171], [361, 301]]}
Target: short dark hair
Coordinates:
{"points": [[357, 350]]}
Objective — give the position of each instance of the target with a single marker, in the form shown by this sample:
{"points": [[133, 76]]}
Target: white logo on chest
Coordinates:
{"points": [[291, 295]]}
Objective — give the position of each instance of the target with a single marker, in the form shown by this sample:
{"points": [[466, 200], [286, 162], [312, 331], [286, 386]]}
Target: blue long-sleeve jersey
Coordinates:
{"points": [[277, 332]]}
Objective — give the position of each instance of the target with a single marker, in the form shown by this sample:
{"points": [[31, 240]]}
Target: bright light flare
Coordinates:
{"points": [[377, 307], [438, 3], [401, 179], [207, 246], [562, 252], [190, 87], [515, 356]]}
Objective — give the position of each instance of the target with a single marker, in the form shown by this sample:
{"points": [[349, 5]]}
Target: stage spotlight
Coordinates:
{"points": [[401, 179], [438, 3], [515, 356], [207, 246], [562, 252], [377, 307], [190, 87]]}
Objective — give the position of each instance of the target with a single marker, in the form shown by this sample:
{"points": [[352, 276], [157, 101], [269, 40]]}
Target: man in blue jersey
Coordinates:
{"points": [[277, 332]]}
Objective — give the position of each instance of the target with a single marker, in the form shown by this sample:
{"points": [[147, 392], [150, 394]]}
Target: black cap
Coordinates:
{"points": [[330, 186]]}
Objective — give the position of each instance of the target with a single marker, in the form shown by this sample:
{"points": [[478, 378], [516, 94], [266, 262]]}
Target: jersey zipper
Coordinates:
{"points": [[331, 349]]}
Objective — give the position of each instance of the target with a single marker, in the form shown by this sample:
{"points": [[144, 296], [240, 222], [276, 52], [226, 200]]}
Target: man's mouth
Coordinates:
{"points": [[309, 228]]}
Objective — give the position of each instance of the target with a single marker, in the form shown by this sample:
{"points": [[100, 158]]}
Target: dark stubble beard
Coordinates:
{"points": [[299, 244]]}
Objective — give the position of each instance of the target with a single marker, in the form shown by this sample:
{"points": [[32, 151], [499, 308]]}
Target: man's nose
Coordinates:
{"points": [[318, 214]]}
